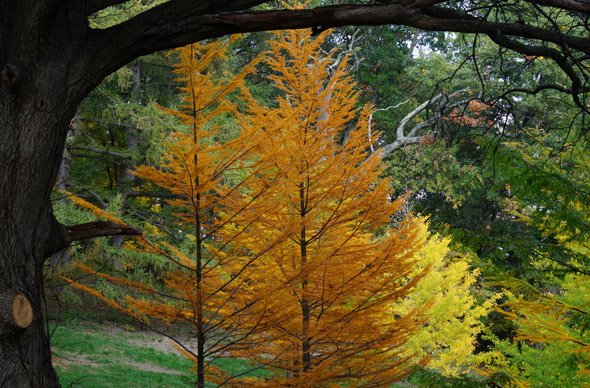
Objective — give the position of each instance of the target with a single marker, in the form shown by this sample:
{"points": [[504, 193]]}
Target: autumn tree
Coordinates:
{"points": [[228, 299], [454, 317], [202, 167]]}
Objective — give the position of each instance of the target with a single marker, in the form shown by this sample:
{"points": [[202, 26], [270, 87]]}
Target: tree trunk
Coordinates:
{"points": [[199, 271], [132, 145], [30, 153], [42, 81], [16, 313], [63, 258], [305, 310]]}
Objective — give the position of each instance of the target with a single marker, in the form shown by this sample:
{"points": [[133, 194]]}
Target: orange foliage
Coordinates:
{"points": [[471, 116], [203, 167], [321, 265]]}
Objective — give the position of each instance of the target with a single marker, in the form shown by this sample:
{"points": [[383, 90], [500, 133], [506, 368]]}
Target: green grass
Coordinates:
{"points": [[86, 356], [117, 376], [239, 367], [90, 355]]}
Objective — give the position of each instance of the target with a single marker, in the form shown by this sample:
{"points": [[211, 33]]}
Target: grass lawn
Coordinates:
{"points": [[88, 354], [91, 355]]}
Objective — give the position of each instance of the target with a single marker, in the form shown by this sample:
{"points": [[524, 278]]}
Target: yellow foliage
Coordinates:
{"points": [[454, 316], [152, 229]]}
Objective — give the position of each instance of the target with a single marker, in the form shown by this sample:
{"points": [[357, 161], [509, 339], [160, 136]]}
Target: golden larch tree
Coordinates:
{"points": [[297, 262], [202, 167], [329, 262]]}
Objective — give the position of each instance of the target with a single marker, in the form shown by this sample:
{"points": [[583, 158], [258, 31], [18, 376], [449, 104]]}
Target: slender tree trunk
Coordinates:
{"points": [[63, 258], [305, 310], [132, 145], [132, 135], [63, 174], [199, 307], [199, 245]]}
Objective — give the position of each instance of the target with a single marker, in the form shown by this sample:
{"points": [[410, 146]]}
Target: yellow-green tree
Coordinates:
{"points": [[454, 316]]}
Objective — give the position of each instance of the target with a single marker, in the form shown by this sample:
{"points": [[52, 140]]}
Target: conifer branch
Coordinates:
{"points": [[99, 151]]}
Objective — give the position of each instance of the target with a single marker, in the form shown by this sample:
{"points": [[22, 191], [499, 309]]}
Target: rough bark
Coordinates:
{"points": [[29, 156], [39, 92], [98, 229]]}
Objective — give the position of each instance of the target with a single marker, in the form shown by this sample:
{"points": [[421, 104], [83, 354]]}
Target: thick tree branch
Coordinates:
{"points": [[413, 136], [186, 23], [196, 23], [568, 5], [445, 19], [423, 3], [99, 229], [390, 148], [561, 61], [370, 121], [179, 22]]}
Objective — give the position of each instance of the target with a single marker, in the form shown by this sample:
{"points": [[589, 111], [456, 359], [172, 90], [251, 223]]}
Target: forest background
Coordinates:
{"points": [[502, 175]]}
